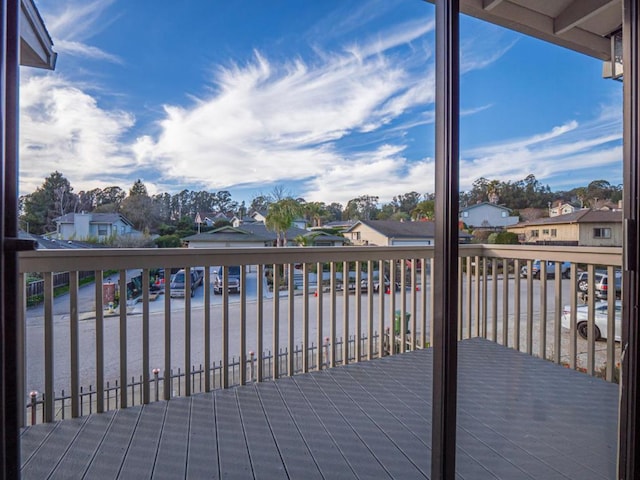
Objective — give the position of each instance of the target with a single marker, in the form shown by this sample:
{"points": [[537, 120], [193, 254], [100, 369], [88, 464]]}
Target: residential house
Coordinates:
{"points": [[210, 218], [393, 232], [256, 235], [487, 215], [561, 208], [102, 226], [585, 227]]}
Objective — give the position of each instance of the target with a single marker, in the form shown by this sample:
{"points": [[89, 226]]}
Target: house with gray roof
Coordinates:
{"points": [[593, 228], [257, 235], [100, 226], [393, 232]]}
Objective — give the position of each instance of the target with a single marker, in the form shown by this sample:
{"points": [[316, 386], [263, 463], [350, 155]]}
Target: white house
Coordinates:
{"points": [[101, 226], [487, 215]]}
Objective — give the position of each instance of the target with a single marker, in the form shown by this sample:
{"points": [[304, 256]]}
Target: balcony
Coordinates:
{"points": [[146, 389]]}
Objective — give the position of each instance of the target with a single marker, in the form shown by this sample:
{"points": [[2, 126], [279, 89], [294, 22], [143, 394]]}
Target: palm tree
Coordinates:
{"points": [[425, 210], [281, 216]]}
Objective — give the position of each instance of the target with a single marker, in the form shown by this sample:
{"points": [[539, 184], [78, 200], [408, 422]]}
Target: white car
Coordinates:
{"points": [[601, 318]]}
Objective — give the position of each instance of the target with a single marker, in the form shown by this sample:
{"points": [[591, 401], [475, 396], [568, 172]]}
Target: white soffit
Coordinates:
{"points": [[580, 25], [36, 46]]}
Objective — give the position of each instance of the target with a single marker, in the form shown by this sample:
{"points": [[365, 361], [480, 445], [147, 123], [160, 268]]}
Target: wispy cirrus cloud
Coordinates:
{"points": [[268, 121], [71, 24], [558, 156]]}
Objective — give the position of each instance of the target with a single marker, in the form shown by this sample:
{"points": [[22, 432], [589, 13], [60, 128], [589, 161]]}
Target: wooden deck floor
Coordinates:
{"points": [[519, 418]]}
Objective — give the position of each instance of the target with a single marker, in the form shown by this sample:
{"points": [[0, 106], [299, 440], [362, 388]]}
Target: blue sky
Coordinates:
{"points": [[330, 99]]}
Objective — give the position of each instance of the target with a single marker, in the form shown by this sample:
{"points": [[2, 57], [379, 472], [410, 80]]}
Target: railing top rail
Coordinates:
{"points": [[592, 255], [124, 258]]}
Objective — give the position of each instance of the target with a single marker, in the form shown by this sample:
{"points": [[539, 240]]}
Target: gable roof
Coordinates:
{"points": [[471, 207], [408, 230], [95, 218], [579, 216], [247, 232], [396, 229]]}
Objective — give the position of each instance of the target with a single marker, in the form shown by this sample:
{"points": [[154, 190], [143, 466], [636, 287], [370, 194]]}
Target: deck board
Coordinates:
{"points": [[519, 417]]}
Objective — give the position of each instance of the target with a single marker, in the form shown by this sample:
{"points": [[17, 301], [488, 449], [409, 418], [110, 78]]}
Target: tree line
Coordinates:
{"points": [[168, 214]]}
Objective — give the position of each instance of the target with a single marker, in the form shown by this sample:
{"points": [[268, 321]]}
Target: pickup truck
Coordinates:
{"points": [[178, 282], [565, 269], [233, 280]]}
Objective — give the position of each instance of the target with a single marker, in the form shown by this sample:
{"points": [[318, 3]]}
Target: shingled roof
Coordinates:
{"points": [[579, 216]]}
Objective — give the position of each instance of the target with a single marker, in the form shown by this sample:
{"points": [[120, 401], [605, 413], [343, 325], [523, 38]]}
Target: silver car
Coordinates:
{"points": [[601, 319]]}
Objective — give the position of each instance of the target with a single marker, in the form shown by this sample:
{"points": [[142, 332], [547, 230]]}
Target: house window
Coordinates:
{"points": [[535, 233], [102, 230], [465, 214], [356, 235], [554, 232], [601, 233], [545, 231], [122, 229], [504, 214]]}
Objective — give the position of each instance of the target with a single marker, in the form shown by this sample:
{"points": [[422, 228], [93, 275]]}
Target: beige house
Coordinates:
{"points": [[592, 228], [392, 232]]}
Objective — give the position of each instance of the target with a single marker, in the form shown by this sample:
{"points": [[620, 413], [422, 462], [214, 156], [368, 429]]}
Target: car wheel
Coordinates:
{"points": [[583, 286], [583, 331]]}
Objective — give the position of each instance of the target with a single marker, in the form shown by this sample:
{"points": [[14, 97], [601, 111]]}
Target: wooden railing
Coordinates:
{"points": [[80, 345]]}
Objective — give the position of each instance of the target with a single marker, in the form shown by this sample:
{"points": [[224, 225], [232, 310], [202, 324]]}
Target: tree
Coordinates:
{"points": [[425, 210], [138, 188], [140, 209], [406, 202], [363, 207], [314, 213], [260, 203], [110, 199], [334, 212], [51, 200], [281, 216]]}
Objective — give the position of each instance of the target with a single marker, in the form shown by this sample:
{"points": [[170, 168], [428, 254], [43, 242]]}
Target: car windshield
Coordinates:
{"points": [[234, 270], [178, 277]]}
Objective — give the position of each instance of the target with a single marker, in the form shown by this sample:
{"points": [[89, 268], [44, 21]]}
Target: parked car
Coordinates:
{"points": [[565, 269], [178, 283], [387, 285], [233, 280], [582, 280], [601, 319], [602, 285]]}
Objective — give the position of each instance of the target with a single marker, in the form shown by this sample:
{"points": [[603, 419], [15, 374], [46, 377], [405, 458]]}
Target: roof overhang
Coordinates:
{"points": [[36, 46], [581, 25]]}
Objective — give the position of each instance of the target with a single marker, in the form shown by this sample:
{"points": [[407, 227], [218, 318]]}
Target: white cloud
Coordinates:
{"points": [[384, 172], [319, 121], [562, 153], [62, 128], [268, 122]]}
